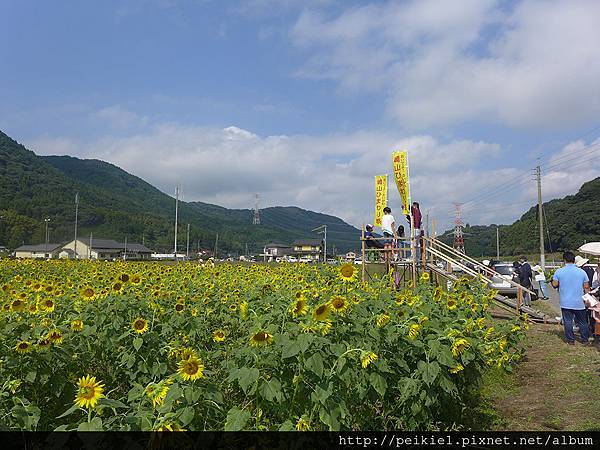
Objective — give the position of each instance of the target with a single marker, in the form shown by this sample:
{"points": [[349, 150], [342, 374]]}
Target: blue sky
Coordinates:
{"points": [[304, 101]]}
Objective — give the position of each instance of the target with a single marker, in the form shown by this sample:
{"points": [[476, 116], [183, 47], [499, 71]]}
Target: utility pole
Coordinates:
{"points": [[459, 241], [125, 254], [90, 245], [47, 237], [76, 213], [323, 229], [538, 176], [498, 243], [187, 247], [256, 216], [246, 250], [176, 212], [216, 246]]}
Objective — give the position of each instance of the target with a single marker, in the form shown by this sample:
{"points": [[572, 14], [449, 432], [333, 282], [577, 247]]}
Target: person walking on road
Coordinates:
{"points": [[540, 277], [572, 282]]}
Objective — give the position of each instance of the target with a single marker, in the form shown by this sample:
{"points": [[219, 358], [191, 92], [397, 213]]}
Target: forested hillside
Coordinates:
{"points": [[571, 221], [115, 204]]}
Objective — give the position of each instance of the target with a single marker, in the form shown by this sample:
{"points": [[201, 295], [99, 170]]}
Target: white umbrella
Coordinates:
{"points": [[591, 248]]}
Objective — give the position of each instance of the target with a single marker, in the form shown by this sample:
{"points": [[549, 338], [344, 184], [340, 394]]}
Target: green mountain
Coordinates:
{"points": [[571, 221], [115, 204]]}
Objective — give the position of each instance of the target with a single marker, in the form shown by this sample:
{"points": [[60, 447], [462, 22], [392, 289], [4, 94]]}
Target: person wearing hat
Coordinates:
{"points": [[371, 242], [572, 282], [581, 263]]}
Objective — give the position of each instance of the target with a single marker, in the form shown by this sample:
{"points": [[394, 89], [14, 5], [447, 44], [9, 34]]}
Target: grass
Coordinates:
{"points": [[555, 387]]}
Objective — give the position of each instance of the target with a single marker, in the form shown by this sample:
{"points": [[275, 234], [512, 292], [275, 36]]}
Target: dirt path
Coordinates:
{"points": [[556, 386]]}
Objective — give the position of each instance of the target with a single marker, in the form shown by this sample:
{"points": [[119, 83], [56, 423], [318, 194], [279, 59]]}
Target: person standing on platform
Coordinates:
{"points": [[417, 218], [572, 282], [388, 229]]}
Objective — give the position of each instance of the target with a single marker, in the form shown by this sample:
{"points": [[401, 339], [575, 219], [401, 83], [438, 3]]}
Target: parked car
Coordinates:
{"points": [[502, 283]]}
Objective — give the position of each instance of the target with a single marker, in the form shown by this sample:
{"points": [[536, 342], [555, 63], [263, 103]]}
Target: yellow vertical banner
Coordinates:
{"points": [[400, 163], [381, 187]]}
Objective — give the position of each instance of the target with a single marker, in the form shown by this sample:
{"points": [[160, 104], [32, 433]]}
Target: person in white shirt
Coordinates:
{"points": [[388, 229], [540, 277]]}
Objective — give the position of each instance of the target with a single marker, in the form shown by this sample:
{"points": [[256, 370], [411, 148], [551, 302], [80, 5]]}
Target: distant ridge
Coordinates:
{"points": [[571, 221], [116, 204]]}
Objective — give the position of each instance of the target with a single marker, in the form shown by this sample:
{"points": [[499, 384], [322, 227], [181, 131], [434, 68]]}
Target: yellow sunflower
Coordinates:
{"points": [[413, 330], [47, 305], [424, 277], [23, 346], [157, 392], [218, 335], [460, 345], [348, 272], [457, 368], [299, 308], [261, 339], [367, 358], [451, 303], [191, 369], [117, 287], [303, 423], [55, 336], [88, 293], [89, 391], [139, 325], [179, 307], [321, 312], [18, 305], [77, 325], [44, 344], [136, 279], [338, 304], [382, 319]]}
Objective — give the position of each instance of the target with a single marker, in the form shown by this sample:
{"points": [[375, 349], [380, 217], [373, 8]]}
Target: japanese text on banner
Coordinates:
{"points": [[381, 186], [400, 162]]}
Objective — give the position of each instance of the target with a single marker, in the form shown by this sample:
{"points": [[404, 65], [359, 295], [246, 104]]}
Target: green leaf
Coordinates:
{"points": [[236, 419], [186, 416], [286, 426], [69, 411], [137, 343], [378, 383], [31, 376], [315, 364], [271, 390], [94, 425], [247, 376], [112, 403], [429, 371], [321, 394], [290, 349]]}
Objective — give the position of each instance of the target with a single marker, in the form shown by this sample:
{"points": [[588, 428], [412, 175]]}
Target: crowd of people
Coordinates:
{"points": [[394, 241], [578, 286], [577, 283]]}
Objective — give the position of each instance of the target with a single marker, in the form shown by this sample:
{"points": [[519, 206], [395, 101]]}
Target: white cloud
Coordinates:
{"points": [[331, 173], [441, 62], [119, 117]]}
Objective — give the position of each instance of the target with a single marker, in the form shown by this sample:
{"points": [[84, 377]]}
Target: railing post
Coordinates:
{"points": [[362, 243], [519, 299]]}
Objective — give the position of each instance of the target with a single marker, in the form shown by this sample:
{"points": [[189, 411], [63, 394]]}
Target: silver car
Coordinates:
{"points": [[501, 283]]}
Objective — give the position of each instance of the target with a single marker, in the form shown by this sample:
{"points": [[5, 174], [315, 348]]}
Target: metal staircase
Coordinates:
{"points": [[435, 252]]}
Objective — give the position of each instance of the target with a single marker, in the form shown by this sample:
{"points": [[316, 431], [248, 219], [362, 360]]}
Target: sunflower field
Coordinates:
{"points": [[147, 346]]}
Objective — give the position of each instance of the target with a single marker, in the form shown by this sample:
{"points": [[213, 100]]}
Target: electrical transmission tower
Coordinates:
{"points": [[256, 218], [459, 241]]}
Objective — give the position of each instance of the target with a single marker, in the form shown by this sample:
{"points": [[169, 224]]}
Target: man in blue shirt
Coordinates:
{"points": [[572, 282]]}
